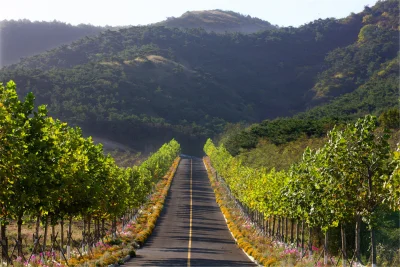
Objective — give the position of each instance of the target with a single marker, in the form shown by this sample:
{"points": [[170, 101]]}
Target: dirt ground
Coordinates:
{"points": [[28, 229]]}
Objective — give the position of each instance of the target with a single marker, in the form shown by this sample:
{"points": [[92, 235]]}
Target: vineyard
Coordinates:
{"points": [[53, 175], [352, 182], [64, 202]]}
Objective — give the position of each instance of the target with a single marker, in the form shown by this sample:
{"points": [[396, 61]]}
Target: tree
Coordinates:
{"points": [[369, 154], [390, 118], [13, 130]]}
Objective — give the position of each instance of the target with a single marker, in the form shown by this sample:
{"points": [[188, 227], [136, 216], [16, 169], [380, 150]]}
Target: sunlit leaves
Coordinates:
{"points": [[47, 167], [352, 174]]}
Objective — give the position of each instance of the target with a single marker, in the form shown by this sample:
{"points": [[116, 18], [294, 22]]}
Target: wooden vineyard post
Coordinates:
{"points": [[302, 238], [286, 230], [291, 231], [46, 224], [103, 232], [69, 238], [19, 236], [297, 233], [373, 248], [278, 234], [114, 227], [4, 242], [273, 226], [310, 251], [62, 234], [343, 234], [83, 234], [326, 248]]}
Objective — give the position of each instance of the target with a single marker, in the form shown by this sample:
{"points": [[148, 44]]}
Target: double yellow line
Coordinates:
{"points": [[191, 214]]}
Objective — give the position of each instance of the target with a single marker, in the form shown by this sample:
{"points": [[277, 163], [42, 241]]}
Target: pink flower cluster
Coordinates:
{"points": [[36, 259], [102, 245], [289, 252], [247, 226], [48, 254]]}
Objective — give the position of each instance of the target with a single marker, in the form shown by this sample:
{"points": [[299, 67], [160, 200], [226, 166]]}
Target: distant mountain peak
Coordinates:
{"points": [[219, 21]]}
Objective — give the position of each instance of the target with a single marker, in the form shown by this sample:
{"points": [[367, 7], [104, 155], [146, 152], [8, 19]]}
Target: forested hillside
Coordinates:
{"points": [[41, 36], [351, 66], [378, 95], [219, 21], [143, 85]]}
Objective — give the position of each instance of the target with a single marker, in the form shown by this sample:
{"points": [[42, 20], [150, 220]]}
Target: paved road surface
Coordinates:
{"points": [[209, 239]]}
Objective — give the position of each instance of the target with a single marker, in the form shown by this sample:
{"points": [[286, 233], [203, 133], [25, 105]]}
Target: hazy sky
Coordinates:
{"points": [[134, 12]]}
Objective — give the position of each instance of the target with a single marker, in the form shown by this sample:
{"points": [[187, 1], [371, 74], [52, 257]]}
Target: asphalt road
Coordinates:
{"points": [[191, 230]]}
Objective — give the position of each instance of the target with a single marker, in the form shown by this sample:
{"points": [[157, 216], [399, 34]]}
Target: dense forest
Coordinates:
{"points": [[144, 85], [378, 96]]}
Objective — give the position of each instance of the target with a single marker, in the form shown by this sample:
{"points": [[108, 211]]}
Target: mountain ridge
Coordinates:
{"points": [[219, 21], [47, 35], [41, 36], [151, 80]]}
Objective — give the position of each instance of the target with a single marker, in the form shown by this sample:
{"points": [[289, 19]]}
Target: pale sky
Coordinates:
{"points": [[135, 12]]}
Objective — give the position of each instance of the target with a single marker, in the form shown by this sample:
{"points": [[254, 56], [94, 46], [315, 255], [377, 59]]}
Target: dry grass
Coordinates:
{"points": [[212, 13], [140, 59], [124, 155], [158, 59], [126, 158], [28, 229], [110, 63]]}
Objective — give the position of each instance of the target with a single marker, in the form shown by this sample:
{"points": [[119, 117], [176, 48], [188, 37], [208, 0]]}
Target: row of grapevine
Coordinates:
{"points": [[50, 171], [353, 177]]}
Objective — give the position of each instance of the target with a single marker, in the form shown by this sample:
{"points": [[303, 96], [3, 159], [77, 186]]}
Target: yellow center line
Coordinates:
{"points": [[191, 215]]}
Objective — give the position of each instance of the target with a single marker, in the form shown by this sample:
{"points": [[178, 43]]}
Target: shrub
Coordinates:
{"points": [[110, 260], [114, 242], [270, 262], [132, 253]]}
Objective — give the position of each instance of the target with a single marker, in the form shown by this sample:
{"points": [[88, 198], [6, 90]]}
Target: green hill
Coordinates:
{"points": [[351, 66], [376, 96], [43, 36], [143, 85]]}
